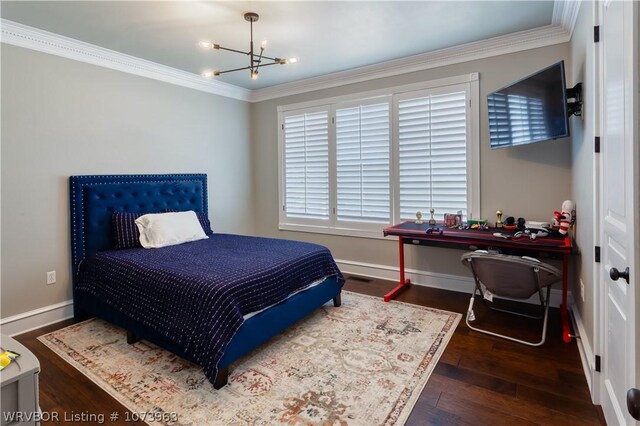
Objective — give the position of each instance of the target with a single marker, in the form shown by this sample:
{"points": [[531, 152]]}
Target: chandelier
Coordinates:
{"points": [[256, 60]]}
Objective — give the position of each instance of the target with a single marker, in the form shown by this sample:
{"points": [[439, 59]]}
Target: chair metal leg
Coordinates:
{"points": [[470, 317]]}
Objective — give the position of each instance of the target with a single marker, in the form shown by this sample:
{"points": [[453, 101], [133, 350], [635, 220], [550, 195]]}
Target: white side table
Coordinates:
{"points": [[19, 382]]}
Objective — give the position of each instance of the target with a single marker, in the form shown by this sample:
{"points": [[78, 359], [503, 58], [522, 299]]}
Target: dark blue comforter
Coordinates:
{"points": [[196, 294]]}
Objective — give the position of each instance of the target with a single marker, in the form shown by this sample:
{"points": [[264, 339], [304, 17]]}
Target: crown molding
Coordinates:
{"points": [[565, 14], [43, 41], [510, 43], [564, 17]]}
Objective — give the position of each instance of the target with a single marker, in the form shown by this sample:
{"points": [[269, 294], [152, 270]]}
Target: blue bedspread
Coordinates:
{"points": [[196, 293]]}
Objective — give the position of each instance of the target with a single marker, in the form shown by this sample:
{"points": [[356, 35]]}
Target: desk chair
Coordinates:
{"points": [[513, 277]]}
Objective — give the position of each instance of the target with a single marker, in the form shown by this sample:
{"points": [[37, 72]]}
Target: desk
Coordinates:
{"points": [[557, 247]]}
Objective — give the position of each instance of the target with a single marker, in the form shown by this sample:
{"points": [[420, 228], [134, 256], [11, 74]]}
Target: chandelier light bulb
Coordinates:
{"points": [[254, 75], [208, 74], [205, 44], [292, 60], [264, 44]]}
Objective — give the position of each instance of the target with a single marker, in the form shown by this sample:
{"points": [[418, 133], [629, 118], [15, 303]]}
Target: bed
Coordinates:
{"points": [[117, 285]]}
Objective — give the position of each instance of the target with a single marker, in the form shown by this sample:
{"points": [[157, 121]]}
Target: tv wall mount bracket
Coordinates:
{"points": [[574, 100]]}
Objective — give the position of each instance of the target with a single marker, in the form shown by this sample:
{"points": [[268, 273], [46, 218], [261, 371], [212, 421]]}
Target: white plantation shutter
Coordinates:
{"points": [[432, 146], [306, 165], [362, 163]]}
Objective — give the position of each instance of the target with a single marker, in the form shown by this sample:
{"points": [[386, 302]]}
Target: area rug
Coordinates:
{"points": [[364, 363]]}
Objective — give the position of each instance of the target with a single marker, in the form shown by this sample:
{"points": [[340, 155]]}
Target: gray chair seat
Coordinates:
{"points": [[511, 277]]}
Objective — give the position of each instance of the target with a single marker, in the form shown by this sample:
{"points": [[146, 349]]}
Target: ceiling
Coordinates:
{"points": [[326, 36]]}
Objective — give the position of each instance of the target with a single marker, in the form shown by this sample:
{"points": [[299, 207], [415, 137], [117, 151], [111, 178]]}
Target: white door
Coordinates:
{"points": [[618, 205]]}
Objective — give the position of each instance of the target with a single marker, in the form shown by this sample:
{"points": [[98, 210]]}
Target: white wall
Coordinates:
{"points": [[529, 181], [61, 117]]}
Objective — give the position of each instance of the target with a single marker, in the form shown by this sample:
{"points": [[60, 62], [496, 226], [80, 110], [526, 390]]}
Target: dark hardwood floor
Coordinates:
{"points": [[480, 380]]}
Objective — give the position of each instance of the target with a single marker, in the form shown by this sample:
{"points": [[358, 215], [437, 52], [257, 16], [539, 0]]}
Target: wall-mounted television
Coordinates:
{"points": [[530, 110]]}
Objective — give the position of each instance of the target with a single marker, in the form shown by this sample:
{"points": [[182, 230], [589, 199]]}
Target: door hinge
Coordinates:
{"points": [[596, 144], [596, 254], [284, 208], [282, 126], [333, 120], [598, 361], [596, 34]]}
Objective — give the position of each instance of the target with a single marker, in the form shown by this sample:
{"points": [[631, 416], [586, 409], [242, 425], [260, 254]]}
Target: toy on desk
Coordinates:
{"points": [[479, 226], [435, 230], [6, 357], [419, 218], [477, 223], [564, 220], [531, 233], [499, 221], [432, 221], [509, 223]]}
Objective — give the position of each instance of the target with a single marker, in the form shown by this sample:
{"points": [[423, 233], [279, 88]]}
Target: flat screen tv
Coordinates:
{"points": [[530, 110]]}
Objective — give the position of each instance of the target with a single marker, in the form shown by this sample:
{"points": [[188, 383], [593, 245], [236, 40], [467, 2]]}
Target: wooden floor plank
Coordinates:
{"points": [[479, 380], [527, 410], [562, 403], [478, 412], [485, 381]]}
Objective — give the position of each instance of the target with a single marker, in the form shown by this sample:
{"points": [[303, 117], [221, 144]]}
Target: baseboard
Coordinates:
{"points": [[37, 318], [425, 278], [584, 347]]}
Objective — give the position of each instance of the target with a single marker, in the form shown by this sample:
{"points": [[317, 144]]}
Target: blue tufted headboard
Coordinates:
{"points": [[94, 198]]}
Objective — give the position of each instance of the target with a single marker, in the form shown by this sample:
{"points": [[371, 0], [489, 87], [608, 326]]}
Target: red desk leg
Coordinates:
{"points": [[566, 332], [404, 283]]}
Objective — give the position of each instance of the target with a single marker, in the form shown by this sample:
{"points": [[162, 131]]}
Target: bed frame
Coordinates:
{"points": [[94, 198]]}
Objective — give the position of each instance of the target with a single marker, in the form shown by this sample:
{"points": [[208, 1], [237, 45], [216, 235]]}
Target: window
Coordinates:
{"points": [[355, 164]]}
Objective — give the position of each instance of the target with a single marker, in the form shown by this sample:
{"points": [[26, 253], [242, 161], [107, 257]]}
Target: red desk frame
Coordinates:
{"points": [[473, 240]]}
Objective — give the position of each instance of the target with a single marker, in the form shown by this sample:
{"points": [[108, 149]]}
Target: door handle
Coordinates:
{"points": [[615, 274], [633, 403]]}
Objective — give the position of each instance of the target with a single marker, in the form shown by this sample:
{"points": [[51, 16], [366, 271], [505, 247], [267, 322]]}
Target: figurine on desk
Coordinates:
{"points": [[499, 217], [419, 218]]}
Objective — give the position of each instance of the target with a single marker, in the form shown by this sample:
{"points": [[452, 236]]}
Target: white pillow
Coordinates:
{"points": [[168, 229]]}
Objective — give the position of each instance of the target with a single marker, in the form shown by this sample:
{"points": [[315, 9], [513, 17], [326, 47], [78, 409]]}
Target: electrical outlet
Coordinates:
{"points": [[51, 277], [582, 290]]}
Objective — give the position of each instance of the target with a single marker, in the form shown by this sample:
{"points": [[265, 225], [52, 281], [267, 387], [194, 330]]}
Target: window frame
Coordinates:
{"points": [[374, 230]]}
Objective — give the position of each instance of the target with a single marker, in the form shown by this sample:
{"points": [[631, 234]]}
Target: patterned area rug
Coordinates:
{"points": [[364, 363]]}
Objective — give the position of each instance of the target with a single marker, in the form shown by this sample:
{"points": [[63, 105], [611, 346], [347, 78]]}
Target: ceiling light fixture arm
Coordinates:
{"points": [[247, 68]]}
